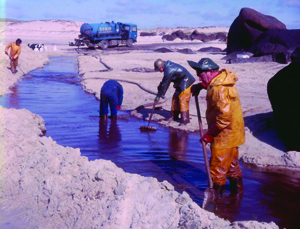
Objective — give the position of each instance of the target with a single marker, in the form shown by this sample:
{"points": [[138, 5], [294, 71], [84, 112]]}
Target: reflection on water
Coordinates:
{"points": [[178, 144], [71, 118], [110, 136]]}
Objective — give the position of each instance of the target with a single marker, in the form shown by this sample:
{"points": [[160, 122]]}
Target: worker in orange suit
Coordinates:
{"points": [[183, 81], [226, 131], [15, 51]]}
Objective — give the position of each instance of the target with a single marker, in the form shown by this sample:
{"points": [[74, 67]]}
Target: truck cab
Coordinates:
{"points": [[130, 31]]}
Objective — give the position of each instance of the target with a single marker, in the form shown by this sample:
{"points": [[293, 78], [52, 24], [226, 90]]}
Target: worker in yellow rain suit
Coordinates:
{"points": [[225, 123], [15, 51]]}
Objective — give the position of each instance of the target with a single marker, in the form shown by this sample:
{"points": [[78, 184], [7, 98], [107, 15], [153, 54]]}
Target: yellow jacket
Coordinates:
{"points": [[15, 50], [224, 110]]}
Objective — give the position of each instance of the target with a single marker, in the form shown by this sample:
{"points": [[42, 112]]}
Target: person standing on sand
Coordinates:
{"points": [[225, 122], [111, 94], [15, 51], [183, 82]]}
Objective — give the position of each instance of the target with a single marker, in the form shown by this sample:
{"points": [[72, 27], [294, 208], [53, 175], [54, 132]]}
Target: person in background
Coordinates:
{"points": [[111, 94], [15, 51], [183, 81], [226, 131]]}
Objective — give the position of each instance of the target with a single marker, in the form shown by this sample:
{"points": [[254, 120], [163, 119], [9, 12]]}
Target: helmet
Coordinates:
{"points": [[158, 64], [203, 65]]}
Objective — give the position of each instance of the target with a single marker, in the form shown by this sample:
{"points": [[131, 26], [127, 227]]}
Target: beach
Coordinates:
{"points": [[46, 184]]}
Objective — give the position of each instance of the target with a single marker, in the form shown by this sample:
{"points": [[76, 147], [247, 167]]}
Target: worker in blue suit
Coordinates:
{"points": [[111, 94]]}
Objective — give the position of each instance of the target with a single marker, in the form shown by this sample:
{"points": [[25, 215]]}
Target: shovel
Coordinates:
{"points": [[209, 193], [151, 128]]}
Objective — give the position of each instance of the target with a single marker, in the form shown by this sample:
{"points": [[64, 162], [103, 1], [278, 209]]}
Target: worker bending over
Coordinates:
{"points": [[183, 81], [111, 94]]}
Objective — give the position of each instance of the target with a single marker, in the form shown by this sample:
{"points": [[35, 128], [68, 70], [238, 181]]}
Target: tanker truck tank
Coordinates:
{"points": [[86, 30], [106, 29]]}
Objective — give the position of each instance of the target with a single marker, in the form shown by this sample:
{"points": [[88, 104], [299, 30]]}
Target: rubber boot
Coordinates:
{"points": [[220, 190], [13, 70], [114, 117], [103, 117], [185, 119], [175, 115], [237, 192], [236, 184]]}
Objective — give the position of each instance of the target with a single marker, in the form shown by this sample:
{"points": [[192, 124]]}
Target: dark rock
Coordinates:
{"points": [[210, 49], [247, 27], [221, 36], [163, 50], [145, 34], [276, 41], [284, 96], [180, 34], [169, 37], [177, 34], [186, 51], [195, 35], [266, 48], [281, 57], [210, 37], [296, 54]]}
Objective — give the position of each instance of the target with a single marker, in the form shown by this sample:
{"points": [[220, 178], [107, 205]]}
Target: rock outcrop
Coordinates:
{"points": [[247, 27], [195, 35], [276, 42], [283, 92]]}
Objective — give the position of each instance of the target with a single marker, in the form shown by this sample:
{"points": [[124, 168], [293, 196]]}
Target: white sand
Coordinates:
{"points": [[262, 146]]}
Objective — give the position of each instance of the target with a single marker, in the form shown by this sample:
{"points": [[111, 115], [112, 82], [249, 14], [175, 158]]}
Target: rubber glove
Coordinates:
{"points": [[207, 138], [6, 52], [157, 98], [210, 134], [196, 88], [118, 107]]}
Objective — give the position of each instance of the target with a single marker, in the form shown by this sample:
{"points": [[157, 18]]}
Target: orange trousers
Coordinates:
{"points": [[181, 102], [14, 64], [224, 164]]}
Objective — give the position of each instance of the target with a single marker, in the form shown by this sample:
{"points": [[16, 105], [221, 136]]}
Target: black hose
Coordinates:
{"points": [[120, 80]]}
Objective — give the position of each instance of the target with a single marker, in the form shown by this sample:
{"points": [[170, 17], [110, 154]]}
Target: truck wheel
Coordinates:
{"points": [[129, 42], [104, 44]]}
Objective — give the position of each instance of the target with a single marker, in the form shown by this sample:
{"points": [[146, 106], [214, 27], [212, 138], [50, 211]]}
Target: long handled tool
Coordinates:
{"points": [[152, 128], [17, 66], [209, 193]]}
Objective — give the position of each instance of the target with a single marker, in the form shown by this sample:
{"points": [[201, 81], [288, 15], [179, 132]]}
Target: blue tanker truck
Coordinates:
{"points": [[107, 34]]}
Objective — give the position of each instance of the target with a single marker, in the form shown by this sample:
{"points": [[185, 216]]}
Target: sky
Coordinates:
{"points": [[150, 14]]}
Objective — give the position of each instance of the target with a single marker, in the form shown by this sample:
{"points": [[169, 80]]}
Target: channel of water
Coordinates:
{"points": [[71, 118]]}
